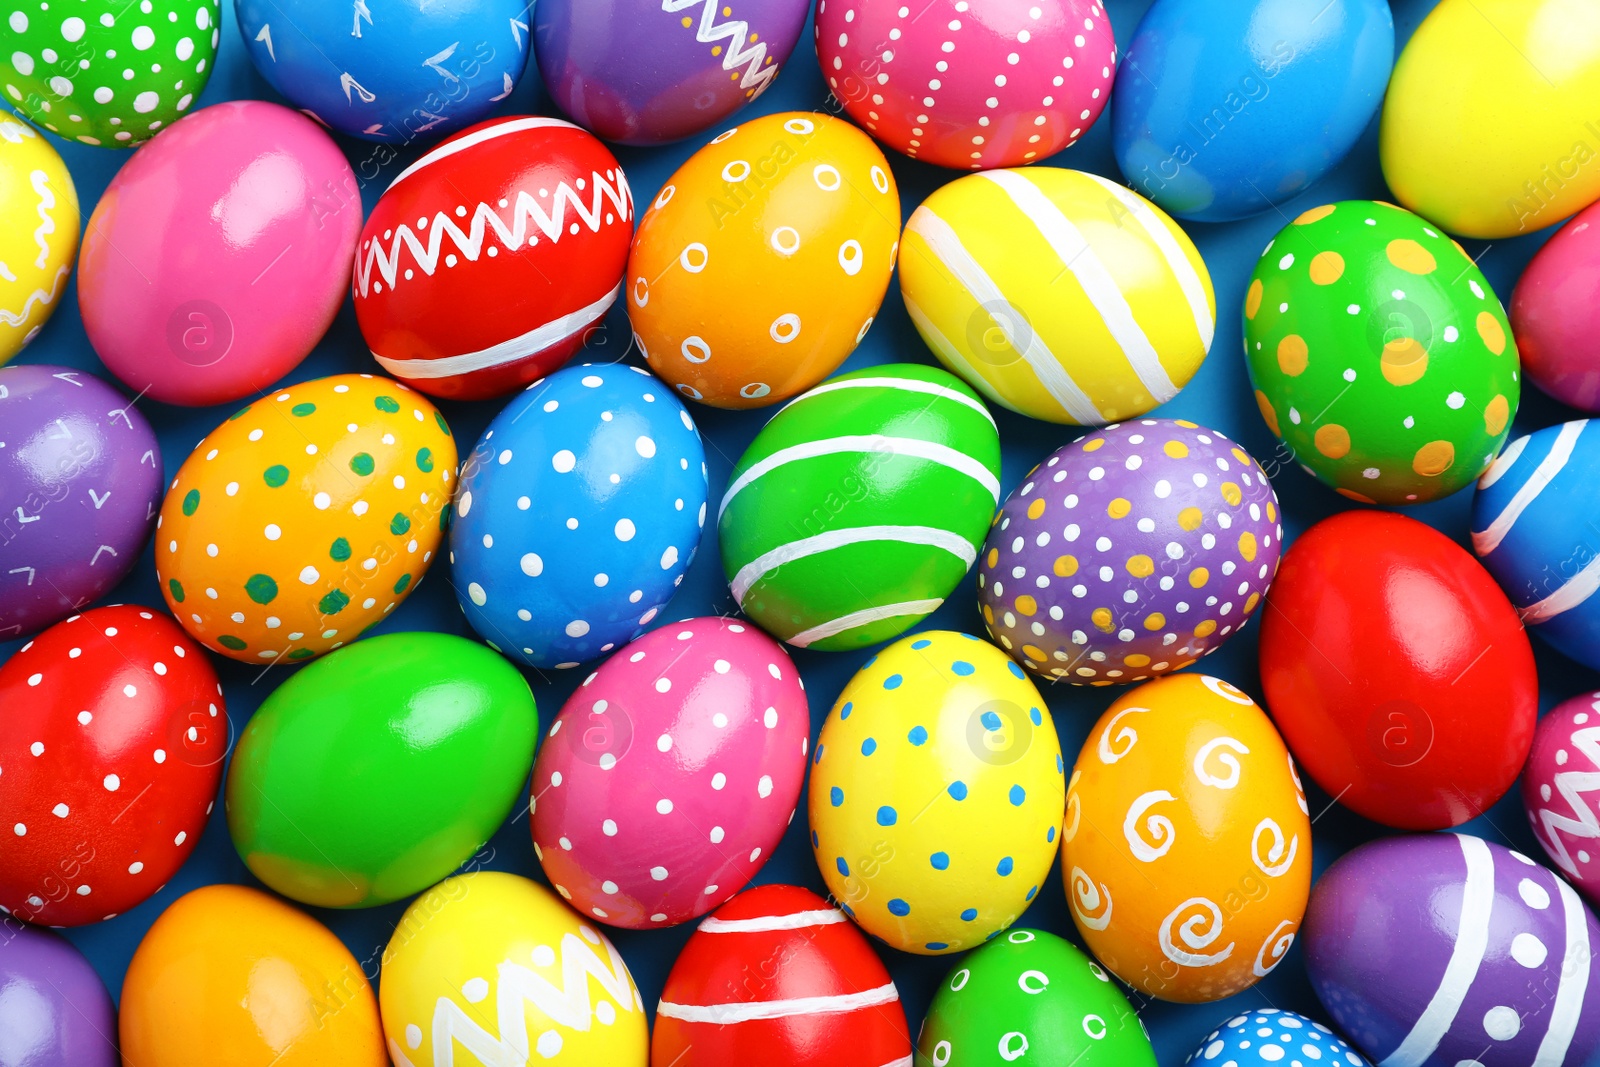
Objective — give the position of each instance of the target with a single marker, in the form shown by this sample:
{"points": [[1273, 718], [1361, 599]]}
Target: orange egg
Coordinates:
{"points": [[231, 976], [1186, 852], [760, 265]]}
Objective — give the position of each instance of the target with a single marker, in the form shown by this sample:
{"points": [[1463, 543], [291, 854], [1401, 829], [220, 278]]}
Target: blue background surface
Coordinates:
{"points": [[1219, 396]]}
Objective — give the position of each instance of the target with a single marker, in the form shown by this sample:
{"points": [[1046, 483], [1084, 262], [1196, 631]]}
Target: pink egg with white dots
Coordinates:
{"points": [[972, 84], [671, 773], [1561, 790]]}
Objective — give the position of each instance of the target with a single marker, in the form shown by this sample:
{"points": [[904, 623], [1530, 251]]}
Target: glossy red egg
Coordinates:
{"points": [[111, 747], [779, 975], [487, 261], [1397, 671]]}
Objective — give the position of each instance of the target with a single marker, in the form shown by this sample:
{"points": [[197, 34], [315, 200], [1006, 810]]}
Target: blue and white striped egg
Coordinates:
{"points": [[578, 514], [1273, 1037], [1534, 523]]}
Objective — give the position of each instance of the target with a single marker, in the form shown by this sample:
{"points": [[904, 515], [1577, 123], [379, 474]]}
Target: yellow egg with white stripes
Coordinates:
{"points": [[1058, 294], [38, 233]]}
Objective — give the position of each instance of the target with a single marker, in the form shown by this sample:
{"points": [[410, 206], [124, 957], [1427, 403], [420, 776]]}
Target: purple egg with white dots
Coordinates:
{"points": [[1439, 950], [1270, 1037], [578, 513], [80, 484], [671, 773], [1131, 552]]}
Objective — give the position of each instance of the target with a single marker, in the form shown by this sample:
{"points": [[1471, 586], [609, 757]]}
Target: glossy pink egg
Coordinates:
{"points": [[1555, 313], [671, 773], [1561, 790], [219, 254]]}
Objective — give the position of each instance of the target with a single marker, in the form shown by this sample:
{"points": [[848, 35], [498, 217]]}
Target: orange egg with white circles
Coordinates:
{"points": [[760, 265]]}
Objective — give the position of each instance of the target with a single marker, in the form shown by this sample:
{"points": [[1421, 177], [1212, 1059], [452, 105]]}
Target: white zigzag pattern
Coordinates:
{"points": [[736, 31], [47, 225], [38, 296], [484, 217], [1571, 785], [519, 986]]}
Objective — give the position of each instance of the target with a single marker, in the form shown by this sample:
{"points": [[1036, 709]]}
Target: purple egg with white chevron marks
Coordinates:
{"points": [[652, 71], [1561, 790], [80, 484], [1443, 950]]}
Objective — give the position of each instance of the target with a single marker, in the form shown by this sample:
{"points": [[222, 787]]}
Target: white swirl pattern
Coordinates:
{"points": [[1199, 931], [1162, 832], [1276, 861], [1227, 759], [1086, 900], [1109, 755]]}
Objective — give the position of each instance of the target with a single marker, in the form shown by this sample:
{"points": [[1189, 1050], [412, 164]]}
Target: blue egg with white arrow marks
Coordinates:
{"points": [[1268, 1037], [578, 514], [389, 70]]}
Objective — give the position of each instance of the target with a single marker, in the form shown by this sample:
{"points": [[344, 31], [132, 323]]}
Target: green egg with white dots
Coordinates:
{"points": [[1379, 354], [303, 520], [107, 74], [1031, 997]]}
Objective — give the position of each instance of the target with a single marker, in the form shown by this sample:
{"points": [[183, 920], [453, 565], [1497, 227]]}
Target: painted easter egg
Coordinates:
{"points": [[80, 473], [1558, 790], [1225, 111], [1031, 991], [1176, 527], [1269, 1037], [860, 506], [1443, 949], [377, 771], [1387, 655], [1349, 283], [945, 716], [108, 707], [762, 262], [1057, 293], [233, 971], [38, 233], [484, 939], [778, 975], [1555, 314], [301, 521], [671, 773], [1029, 81], [651, 73], [417, 70], [219, 255], [114, 78], [1187, 846], [1524, 69], [532, 216], [579, 513], [1531, 527], [55, 1011]]}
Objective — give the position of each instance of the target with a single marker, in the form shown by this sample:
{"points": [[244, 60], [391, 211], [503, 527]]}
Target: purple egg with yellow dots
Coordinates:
{"points": [[1130, 553]]}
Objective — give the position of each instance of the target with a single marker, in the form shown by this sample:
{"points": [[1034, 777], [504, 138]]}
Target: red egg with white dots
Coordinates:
{"points": [[111, 751], [971, 84], [671, 773]]}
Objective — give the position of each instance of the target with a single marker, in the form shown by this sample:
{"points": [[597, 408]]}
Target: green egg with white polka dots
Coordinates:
{"points": [[1028, 997], [1379, 354], [107, 74]]}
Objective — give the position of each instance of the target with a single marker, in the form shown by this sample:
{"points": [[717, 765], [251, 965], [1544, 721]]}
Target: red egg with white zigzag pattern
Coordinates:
{"points": [[488, 260], [778, 975]]}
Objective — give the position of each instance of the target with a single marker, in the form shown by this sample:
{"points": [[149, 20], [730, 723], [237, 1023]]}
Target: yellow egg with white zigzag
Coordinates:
{"points": [[38, 233], [1058, 294], [490, 968]]}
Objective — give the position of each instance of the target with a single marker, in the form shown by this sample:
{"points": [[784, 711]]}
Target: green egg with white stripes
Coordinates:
{"points": [[860, 506]]}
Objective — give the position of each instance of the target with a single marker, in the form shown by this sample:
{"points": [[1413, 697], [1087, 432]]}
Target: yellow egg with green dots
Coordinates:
{"points": [[306, 517], [937, 793]]}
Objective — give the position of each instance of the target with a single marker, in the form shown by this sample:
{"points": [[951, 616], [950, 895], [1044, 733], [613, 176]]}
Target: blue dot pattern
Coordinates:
{"points": [[940, 861], [1017, 796], [893, 681], [836, 795], [1270, 1036], [1034, 714], [917, 736], [899, 907], [843, 867], [921, 644], [958, 790], [849, 706], [1016, 670], [962, 667], [969, 915], [887, 816], [869, 746], [1004, 867], [990, 720]]}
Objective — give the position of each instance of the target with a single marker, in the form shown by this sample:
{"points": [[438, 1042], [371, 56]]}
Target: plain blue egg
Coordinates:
{"points": [[389, 70], [1267, 1037], [1222, 110], [578, 513]]}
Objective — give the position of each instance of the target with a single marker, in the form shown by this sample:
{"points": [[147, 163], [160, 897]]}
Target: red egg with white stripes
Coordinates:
{"points": [[778, 975], [111, 751], [671, 773], [973, 85], [487, 261]]}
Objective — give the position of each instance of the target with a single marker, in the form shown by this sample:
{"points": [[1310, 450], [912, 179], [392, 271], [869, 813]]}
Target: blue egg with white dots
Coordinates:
{"points": [[577, 515], [1278, 1038]]}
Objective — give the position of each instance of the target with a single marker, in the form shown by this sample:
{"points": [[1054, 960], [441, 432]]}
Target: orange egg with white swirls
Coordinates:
{"points": [[1186, 851]]}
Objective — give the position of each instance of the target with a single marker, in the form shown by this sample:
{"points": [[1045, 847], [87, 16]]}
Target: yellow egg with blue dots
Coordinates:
{"points": [[937, 793]]}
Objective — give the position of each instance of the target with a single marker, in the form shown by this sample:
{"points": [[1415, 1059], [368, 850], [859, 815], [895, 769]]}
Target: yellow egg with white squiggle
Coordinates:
{"points": [[1186, 852], [38, 233]]}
